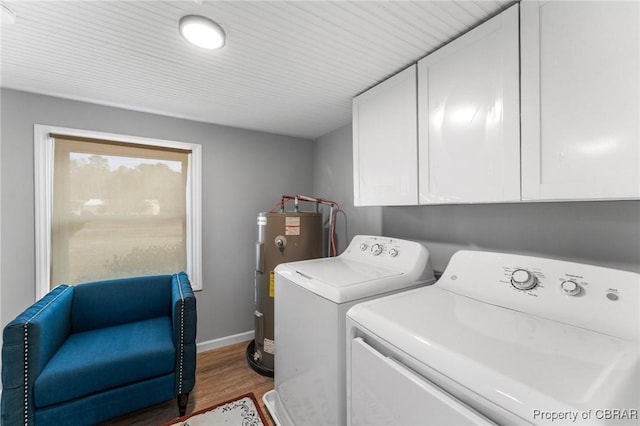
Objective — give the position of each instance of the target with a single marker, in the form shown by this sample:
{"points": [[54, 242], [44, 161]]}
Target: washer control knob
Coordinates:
{"points": [[393, 252], [364, 246], [523, 279], [570, 288], [376, 249]]}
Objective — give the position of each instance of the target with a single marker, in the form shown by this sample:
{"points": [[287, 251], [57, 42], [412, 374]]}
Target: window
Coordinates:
{"points": [[110, 206]]}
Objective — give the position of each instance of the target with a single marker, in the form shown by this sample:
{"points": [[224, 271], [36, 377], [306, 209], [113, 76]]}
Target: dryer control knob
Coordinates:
{"points": [[523, 279], [570, 288], [376, 249], [363, 246], [393, 252]]}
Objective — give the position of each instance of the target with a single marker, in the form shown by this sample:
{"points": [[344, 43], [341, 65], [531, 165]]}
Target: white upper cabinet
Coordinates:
{"points": [[540, 103], [469, 124], [385, 143], [580, 100]]}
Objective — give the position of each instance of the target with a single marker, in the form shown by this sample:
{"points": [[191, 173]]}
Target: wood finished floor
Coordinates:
{"points": [[221, 374]]}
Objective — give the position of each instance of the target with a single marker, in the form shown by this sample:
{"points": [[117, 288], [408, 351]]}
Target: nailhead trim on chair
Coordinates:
{"points": [[181, 355], [180, 375], [26, 374]]}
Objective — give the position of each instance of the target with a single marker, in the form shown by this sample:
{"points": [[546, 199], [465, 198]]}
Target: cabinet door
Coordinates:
{"points": [[469, 128], [385, 145], [580, 100]]}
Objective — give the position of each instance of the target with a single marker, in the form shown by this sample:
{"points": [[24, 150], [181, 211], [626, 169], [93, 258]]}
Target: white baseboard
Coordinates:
{"points": [[224, 341]]}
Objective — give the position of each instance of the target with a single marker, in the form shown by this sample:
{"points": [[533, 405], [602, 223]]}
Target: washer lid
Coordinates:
{"points": [[338, 272], [343, 280], [518, 361]]}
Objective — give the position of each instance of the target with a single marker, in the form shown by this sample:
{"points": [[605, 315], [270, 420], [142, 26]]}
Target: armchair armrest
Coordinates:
{"points": [[29, 342], [184, 319]]}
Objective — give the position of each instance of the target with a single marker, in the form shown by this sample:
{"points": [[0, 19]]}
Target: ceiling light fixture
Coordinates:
{"points": [[202, 32]]}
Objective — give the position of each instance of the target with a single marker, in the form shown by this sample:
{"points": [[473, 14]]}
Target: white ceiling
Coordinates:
{"points": [[288, 67]]}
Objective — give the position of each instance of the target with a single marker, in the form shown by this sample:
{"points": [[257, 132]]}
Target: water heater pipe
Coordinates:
{"points": [[333, 213]]}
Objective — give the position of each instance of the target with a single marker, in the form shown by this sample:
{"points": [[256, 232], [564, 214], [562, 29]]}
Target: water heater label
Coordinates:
{"points": [[292, 225], [272, 284], [269, 346], [262, 220]]}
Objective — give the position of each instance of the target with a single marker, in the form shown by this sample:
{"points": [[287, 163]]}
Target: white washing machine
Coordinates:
{"points": [[500, 339], [311, 301]]}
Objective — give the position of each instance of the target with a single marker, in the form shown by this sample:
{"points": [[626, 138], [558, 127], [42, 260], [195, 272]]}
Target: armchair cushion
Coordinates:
{"points": [[112, 302], [106, 358]]}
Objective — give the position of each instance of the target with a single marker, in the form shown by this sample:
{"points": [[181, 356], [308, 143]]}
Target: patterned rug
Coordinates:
{"points": [[241, 411]]}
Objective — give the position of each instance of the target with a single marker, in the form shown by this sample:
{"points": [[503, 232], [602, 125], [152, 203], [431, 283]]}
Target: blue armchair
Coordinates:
{"points": [[84, 354]]}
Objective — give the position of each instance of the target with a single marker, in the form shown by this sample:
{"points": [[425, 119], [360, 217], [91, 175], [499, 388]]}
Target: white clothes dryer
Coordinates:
{"points": [[311, 301], [503, 339]]}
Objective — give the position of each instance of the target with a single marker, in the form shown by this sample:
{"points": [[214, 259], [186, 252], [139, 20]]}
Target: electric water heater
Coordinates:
{"points": [[282, 237]]}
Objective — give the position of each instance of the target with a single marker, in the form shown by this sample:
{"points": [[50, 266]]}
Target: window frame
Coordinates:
{"points": [[43, 175]]}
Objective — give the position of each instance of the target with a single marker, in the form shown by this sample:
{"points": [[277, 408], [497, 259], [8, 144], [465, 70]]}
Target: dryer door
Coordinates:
{"points": [[395, 395]]}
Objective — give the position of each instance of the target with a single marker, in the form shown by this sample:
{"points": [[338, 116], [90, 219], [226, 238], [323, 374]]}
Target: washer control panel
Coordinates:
{"points": [[409, 257], [600, 299], [377, 246]]}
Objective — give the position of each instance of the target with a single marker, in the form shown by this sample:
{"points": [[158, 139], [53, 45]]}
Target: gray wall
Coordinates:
{"points": [[333, 179], [601, 233], [243, 173]]}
